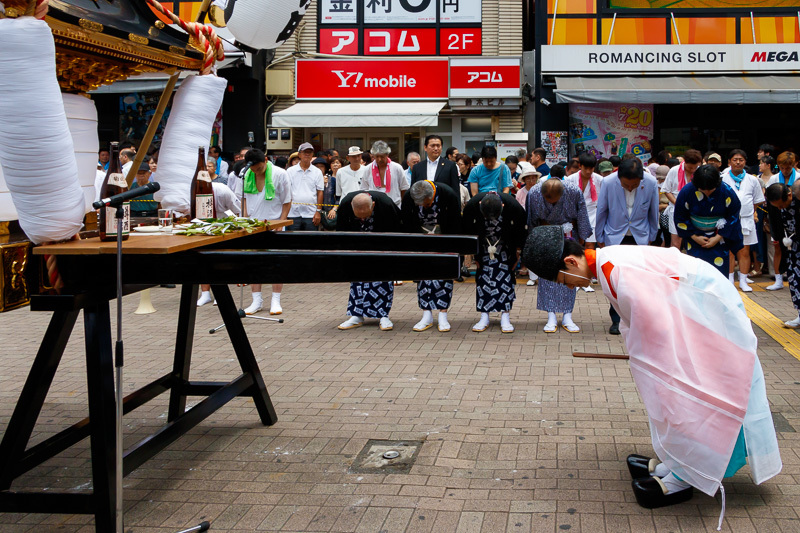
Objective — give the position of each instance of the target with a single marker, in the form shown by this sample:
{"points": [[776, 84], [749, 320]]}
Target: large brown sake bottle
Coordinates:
{"points": [[203, 205], [114, 183]]}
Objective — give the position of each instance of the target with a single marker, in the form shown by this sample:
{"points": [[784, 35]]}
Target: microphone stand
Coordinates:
{"points": [[241, 312], [118, 364]]}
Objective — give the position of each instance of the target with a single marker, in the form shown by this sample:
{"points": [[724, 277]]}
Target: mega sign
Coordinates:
{"points": [[635, 60], [424, 79]]}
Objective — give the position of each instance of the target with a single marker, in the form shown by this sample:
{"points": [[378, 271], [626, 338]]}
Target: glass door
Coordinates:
{"points": [[397, 155]]}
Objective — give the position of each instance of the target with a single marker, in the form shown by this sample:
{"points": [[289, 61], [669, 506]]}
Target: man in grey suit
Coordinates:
{"points": [[435, 167], [627, 212]]}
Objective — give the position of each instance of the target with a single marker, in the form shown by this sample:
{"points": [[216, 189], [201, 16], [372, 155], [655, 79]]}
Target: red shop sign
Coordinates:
{"points": [[400, 42], [342, 41], [485, 78], [460, 41], [379, 79]]}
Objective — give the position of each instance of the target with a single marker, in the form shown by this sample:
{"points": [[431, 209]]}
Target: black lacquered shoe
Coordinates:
{"points": [[614, 329], [651, 493], [641, 466]]}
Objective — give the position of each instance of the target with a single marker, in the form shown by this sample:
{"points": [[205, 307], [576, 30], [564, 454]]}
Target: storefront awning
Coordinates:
{"points": [[358, 115], [680, 90]]}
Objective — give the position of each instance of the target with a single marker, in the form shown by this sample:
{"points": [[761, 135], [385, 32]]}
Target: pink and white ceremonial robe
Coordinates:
{"points": [[693, 357]]}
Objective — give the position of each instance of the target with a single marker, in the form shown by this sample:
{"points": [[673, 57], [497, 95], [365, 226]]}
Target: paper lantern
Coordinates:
{"points": [[194, 110], [36, 147], [263, 24]]}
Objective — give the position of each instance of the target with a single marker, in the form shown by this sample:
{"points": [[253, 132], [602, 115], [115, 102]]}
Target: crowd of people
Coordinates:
{"points": [[711, 208]]}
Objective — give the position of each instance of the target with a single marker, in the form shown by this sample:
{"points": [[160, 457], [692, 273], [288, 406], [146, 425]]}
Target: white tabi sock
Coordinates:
{"points": [[532, 276], [205, 298], [661, 470], [674, 484], [730, 277], [778, 283], [276, 298], [551, 319], [567, 319], [427, 317], [483, 322]]}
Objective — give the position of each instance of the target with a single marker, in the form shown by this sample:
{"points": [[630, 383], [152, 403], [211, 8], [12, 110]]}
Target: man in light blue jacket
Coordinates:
{"points": [[627, 212]]}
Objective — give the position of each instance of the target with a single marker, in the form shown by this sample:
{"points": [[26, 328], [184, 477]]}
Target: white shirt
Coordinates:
{"points": [[305, 184], [591, 206], [522, 166], [126, 167], [749, 193], [399, 182], [349, 180], [630, 199], [432, 167], [259, 208], [98, 184], [235, 184], [670, 184], [225, 200]]}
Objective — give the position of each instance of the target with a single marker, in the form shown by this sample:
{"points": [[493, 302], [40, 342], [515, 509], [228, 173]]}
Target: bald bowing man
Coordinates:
{"points": [[371, 211]]}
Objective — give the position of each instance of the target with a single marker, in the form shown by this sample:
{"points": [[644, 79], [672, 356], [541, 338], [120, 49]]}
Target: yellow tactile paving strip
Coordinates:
{"points": [[773, 326]]}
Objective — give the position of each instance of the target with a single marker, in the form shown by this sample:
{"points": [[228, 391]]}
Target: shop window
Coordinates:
{"points": [[635, 31], [476, 125], [705, 31], [342, 144], [573, 31], [572, 6], [411, 143], [445, 125], [771, 30]]}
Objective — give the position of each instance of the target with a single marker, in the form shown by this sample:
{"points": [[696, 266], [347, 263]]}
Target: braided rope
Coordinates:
{"points": [[205, 35], [41, 9], [53, 274]]}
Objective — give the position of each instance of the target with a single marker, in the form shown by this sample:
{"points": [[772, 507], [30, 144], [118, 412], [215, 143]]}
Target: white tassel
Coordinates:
{"points": [[720, 223], [721, 514]]}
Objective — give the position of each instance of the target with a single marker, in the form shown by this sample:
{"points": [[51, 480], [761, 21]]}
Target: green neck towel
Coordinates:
{"points": [[250, 183]]}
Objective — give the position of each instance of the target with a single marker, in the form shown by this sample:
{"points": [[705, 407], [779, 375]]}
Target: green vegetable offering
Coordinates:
{"points": [[220, 226]]}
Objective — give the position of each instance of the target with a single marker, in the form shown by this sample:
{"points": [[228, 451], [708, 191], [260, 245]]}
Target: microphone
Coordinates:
{"points": [[119, 199], [244, 170]]}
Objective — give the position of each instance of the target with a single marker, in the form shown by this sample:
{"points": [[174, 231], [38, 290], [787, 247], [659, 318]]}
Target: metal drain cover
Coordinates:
{"points": [[386, 457]]}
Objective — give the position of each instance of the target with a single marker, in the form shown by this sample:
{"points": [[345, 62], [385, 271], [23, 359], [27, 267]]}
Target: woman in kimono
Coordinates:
{"points": [[707, 218], [499, 222], [554, 202], [704, 389]]}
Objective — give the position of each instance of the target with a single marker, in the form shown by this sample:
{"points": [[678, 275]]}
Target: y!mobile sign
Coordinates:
{"points": [[424, 79]]}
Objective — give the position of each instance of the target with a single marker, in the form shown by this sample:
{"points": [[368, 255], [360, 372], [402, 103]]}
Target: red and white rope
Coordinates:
{"points": [[205, 35]]}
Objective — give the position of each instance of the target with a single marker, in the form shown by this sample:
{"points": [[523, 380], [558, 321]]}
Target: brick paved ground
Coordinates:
{"points": [[518, 435]]}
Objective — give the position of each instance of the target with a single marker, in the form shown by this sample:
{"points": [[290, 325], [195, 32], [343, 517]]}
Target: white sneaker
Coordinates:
{"points": [[505, 323], [444, 325], [482, 324], [588, 288], [386, 324], [352, 322], [253, 308], [531, 282], [792, 324], [744, 287], [205, 298]]}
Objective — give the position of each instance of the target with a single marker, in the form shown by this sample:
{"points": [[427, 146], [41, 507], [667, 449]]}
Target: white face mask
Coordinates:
{"points": [[574, 275]]}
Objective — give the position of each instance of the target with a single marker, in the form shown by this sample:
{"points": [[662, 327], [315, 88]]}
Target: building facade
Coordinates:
{"points": [[356, 71], [640, 75]]}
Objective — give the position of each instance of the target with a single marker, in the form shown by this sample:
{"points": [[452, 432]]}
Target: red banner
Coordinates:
{"points": [[460, 41], [342, 41], [400, 42], [401, 79]]}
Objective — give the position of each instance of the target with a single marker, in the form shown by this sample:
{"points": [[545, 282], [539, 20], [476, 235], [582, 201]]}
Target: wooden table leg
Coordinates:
{"points": [[34, 392], [100, 385], [244, 352], [183, 351]]}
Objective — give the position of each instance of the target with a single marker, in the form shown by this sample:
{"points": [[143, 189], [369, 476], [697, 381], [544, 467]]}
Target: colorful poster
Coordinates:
{"points": [[135, 112], [611, 129], [556, 145]]}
